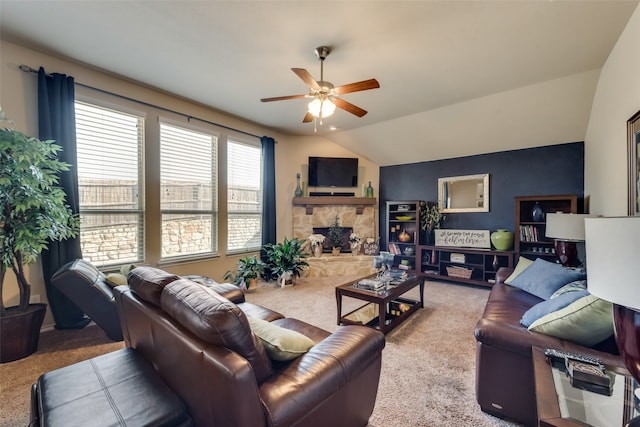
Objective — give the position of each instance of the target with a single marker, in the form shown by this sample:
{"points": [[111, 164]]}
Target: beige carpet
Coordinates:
{"points": [[428, 364]]}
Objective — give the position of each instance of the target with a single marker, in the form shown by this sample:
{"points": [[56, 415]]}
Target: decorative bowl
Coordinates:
{"points": [[404, 218]]}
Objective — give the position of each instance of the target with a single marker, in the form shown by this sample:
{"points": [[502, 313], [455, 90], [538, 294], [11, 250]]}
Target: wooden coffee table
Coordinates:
{"points": [[384, 310], [559, 404]]}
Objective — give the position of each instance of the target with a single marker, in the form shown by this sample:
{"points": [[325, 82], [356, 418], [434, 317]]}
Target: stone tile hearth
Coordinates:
{"points": [[341, 265]]}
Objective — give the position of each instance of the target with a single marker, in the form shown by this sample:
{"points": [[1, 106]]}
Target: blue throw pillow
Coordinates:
{"points": [[545, 307], [543, 278]]}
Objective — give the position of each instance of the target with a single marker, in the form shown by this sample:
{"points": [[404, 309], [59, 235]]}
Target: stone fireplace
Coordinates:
{"points": [[357, 213], [316, 214]]}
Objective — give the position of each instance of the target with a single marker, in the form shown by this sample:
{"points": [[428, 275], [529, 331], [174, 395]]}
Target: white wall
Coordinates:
{"points": [[617, 98], [18, 98]]}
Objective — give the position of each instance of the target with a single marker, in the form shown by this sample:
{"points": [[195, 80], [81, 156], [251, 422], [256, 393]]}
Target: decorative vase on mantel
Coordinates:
{"points": [[355, 250], [502, 239], [335, 251], [298, 192]]}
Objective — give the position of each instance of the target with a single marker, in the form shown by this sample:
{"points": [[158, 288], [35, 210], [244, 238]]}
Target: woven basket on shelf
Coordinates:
{"points": [[465, 273]]}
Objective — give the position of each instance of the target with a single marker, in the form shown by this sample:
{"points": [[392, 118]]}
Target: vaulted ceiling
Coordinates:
{"points": [[457, 77]]}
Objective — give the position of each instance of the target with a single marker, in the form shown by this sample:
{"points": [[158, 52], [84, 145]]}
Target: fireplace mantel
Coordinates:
{"points": [[309, 202]]}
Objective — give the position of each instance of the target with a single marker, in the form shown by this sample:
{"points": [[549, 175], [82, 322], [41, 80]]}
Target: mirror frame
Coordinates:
{"points": [[485, 194]]}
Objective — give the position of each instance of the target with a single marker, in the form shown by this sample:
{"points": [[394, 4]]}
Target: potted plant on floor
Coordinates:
{"points": [[32, 213], [285, 261], [248, 271], [335, 236]]}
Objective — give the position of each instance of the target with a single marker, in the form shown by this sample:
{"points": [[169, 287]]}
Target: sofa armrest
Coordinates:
{"points": [[349, 356], [503, 274], [229, 291]]}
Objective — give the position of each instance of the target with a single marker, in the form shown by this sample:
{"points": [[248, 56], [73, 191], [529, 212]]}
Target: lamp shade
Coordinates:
{"points": [[613, 259], [566, 226]]}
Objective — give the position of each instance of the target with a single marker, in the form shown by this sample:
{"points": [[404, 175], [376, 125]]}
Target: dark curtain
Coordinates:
{"points": [[56, 120], [269, 190]]}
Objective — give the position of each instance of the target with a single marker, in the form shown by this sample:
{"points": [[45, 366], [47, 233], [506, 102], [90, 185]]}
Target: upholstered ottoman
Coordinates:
{"points": [[116, 389]]}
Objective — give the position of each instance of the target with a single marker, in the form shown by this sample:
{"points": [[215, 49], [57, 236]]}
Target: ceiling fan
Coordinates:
{"points": [[324, 95]]}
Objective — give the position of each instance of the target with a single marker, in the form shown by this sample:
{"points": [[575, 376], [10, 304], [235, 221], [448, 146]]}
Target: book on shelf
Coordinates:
{"points": [[529, 233]]}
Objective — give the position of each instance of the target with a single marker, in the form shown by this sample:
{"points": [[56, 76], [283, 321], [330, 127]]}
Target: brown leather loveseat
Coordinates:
{"points": [[504, 369], [198, 338]]}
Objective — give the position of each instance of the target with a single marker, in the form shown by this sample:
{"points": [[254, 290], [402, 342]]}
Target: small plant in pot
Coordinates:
{"points": [[284, 261], [431, 217], [33, 212], [335, 236], [248, 271]]}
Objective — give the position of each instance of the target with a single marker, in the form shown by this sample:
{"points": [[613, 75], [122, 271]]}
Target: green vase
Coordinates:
{"points": [[502, 239]]}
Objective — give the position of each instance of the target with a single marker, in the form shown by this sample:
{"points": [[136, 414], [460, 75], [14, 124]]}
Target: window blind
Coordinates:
{"points": [[244, 196], [110, 183], [188, 200]]}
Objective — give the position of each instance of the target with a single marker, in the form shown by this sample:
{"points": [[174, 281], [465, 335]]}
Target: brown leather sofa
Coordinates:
{"points": [[198, 339], [504, 369]]}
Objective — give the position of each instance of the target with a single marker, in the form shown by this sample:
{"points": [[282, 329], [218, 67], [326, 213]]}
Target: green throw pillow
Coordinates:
{"points": [[586, 321], [522, 265], [115, 279], [281, 344]]}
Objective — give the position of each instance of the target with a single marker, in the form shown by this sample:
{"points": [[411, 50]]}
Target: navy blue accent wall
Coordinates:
{"points": [[555, 169]]}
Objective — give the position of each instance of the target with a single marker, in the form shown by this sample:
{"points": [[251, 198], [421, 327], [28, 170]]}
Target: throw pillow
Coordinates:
{"points": [[587, 321], [522, 265], [281, 344], [543, 278], [545, 307], [115, 279], [577, 285]]}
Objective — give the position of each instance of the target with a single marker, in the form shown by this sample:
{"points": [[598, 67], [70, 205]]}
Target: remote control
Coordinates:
{"points": [[562, 356]]}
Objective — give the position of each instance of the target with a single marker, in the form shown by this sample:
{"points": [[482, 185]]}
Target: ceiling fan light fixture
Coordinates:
{"points": [[322, 107]]}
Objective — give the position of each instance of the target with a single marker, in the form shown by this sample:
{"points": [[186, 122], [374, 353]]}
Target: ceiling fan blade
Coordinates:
{"points": [[282, 98], [306, 77], [358, 86], [347, 106], [307, 118]]}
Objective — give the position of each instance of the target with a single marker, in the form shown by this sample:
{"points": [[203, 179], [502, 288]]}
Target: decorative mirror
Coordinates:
{"points": [[469, 193]]}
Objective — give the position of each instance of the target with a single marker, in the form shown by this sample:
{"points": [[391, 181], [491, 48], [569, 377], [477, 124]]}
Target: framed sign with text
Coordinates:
{"points": [[463, 238]]}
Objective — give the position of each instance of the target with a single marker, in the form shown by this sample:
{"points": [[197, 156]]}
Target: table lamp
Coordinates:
{"points": [[613, 274], [566, 229]]}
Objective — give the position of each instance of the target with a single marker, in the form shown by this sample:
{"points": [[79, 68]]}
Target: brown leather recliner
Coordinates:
{"points": [[85, 286], [198, 339]]}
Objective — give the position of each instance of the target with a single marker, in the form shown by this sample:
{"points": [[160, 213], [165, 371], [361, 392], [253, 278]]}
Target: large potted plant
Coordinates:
{"points": [[32, 213], [285, 261], [248, 271]]}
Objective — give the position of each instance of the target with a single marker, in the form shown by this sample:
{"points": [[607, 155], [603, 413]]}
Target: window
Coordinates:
{"points": [[244, 196], [110, 182], [188, 200]]}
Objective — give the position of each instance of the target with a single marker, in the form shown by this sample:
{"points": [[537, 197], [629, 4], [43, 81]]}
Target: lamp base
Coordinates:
{"points": [[567, 253]]}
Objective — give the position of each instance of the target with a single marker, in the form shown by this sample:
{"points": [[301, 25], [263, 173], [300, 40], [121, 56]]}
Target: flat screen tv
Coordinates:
{"points": [[333, 172]]}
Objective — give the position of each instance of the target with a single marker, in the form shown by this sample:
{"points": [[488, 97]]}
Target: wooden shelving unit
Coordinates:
{"points": [[403, 216], [481, 264], [529, 239]]}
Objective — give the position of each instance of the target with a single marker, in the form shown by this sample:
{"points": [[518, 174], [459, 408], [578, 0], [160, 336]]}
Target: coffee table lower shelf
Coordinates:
{"points": [[369, 314]]}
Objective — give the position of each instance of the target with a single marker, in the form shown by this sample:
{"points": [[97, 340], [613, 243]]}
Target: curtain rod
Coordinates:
{"points": [[28, 69]]}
